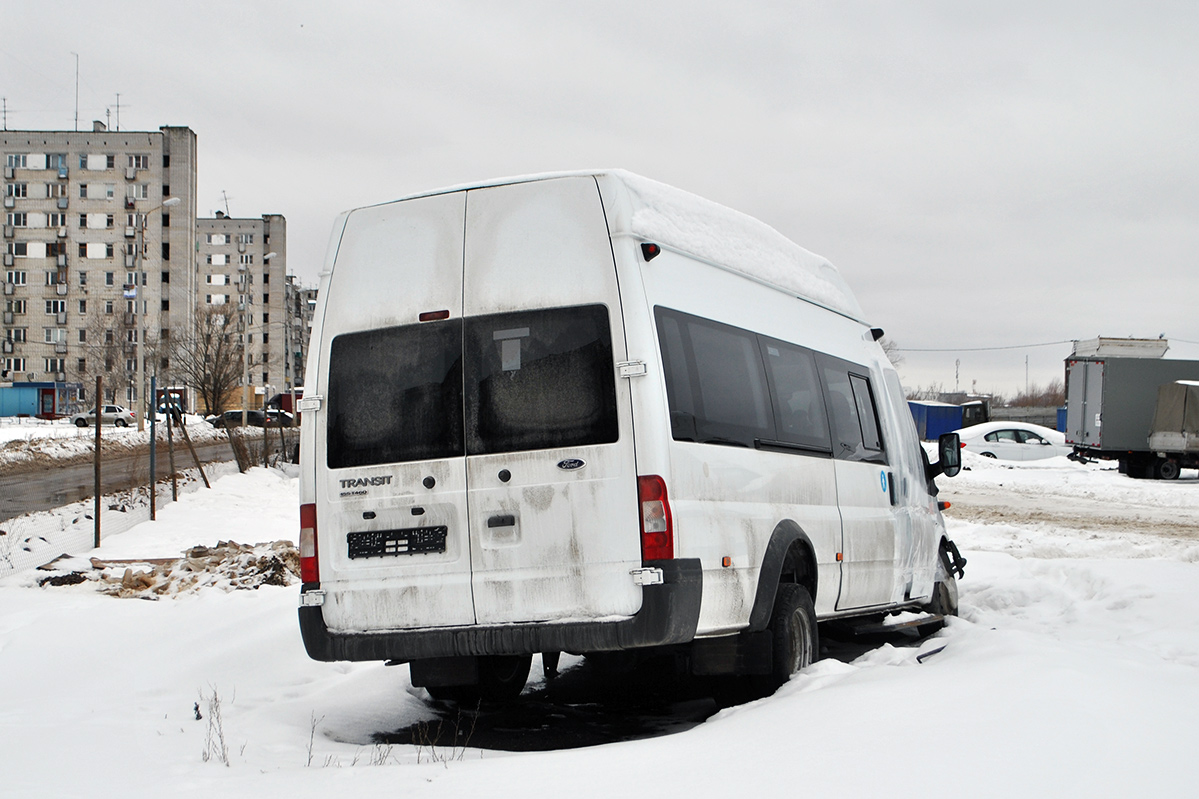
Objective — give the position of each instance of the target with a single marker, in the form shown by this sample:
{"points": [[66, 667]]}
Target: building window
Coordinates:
{"points": [[16, 190], [166, 277], [109, 250], [266, 277], [18, 219], [108, 337], [14, 365], [139, 161], [130, 365], [56, 306], [81, 365], [56, 160], [16, 160], [18, 248], [54, 190], [109, 277], [108, 221], [15, 306], [16, 334], [266, 317], [266, 298], [266, 338], [56, 364], [166, 251], [83, 191], [216, 238], [82, 335], [138, 191], [82, 308], [83, 278], [166, 305], [56, 219], [110, 190], [83, 220], [55, 335], [248, 258], [17, 277], [108, 310]]}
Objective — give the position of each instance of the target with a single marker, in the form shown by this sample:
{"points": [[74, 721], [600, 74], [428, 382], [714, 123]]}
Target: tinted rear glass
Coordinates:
{"points": [[533, 380], [540, 380], [395, 394]]}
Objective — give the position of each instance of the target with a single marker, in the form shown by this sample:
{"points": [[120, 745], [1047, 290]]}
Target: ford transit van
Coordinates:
{"points": [[591, 413]]}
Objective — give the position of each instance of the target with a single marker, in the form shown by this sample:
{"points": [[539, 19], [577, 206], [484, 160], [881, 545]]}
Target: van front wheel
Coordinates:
{"points": [[795, 638]]}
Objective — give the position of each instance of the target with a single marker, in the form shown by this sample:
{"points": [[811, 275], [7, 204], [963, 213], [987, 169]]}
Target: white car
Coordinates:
{"points": [[1013, 441]]}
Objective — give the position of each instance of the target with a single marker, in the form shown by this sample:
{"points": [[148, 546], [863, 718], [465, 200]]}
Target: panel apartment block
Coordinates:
{"points": [[98, 273]]}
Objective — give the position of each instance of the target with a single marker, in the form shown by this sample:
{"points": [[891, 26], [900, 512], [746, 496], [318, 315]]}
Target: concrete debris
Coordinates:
{"points": [[228, 566]]}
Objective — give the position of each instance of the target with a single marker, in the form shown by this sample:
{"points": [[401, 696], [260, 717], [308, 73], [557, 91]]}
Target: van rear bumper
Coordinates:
{"points": [[669, 615]]}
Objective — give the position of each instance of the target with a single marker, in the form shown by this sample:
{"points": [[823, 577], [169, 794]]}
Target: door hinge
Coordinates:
{"points": [[632, 368], [307, 404], [310, 599], [647, 577]]}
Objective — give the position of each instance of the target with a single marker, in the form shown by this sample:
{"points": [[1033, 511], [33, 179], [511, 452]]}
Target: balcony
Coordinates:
{"points": [[8, 231], [63, 203], [130, 260], [9, 288], [61, 289], [62, 260], [62, 232], [130, 232], [60, 347], [131, 173], [63, 173], [6, 346], [8, 317], [61, 317], [8, 259], [10, 202]]}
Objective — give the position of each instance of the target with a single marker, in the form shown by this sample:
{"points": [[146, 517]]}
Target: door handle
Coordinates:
{"points": [[502, 520]]}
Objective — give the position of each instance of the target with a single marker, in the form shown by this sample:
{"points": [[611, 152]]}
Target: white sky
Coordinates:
{"points": [[985, 175]]}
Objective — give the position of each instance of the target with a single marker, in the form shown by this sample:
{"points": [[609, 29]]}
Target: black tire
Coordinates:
{"points": [[1166, 469], [794, 635], [945, 590], [503, 677], [81, 422], [121, 423], [988, 454]]}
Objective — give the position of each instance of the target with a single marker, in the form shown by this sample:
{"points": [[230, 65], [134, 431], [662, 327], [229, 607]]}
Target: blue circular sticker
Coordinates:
{"points": [[882, 477]]}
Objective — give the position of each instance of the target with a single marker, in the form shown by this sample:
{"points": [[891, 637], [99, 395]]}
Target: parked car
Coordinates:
{"points": [[1013, 441], [254, 418], [109, 414]]}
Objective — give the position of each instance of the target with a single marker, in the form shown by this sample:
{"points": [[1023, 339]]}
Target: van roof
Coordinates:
{"points": [[687, 223]]}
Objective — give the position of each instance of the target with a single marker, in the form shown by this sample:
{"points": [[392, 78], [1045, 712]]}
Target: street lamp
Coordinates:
{"points": [[139, 276]]}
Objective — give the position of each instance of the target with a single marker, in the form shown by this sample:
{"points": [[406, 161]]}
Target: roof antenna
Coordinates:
{"points": [[225, 197], [118, 112], [76, 90]]}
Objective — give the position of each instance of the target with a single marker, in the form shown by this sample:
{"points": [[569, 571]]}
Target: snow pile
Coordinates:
{"points": [[711, 232], [228, 566]]}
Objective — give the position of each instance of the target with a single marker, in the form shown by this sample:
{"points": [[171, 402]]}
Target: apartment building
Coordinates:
{"points": [[242, 266], [99, 228]]}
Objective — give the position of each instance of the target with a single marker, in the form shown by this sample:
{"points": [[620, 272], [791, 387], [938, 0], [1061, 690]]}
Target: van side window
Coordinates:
{"points": [[851, 407], [715, 381], [799, 412], [540, 380], [863, 397]]}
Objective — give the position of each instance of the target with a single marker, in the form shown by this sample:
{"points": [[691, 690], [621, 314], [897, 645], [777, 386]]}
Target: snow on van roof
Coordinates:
{"points": [[680, 220], [687, 223]]}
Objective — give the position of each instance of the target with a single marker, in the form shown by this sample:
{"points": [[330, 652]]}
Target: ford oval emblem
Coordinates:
{"points": [[570, 464]]}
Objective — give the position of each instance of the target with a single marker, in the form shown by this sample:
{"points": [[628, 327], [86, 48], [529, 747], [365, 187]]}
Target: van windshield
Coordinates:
{"points": [[532, 380]]}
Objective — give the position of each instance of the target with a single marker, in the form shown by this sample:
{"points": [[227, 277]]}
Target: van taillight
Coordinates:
{"points": [[657, 529], [309, 570]]}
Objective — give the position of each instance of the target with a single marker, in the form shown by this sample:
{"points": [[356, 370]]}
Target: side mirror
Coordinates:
{"points": [[949, 450]]}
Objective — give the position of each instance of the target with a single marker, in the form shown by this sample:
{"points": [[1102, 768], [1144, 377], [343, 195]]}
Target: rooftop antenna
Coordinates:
{"points": [[5, 99], [76, 90], [108, 116], [118, 112], [225, 197]]}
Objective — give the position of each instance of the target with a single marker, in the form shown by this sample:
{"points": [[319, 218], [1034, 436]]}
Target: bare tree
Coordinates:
{"points": [[209, 359], [891, 350]]}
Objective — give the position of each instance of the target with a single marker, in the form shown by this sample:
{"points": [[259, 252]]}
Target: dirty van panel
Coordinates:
{"points": [[537, 245], [553, 491], [397, 261], [394, 546]]}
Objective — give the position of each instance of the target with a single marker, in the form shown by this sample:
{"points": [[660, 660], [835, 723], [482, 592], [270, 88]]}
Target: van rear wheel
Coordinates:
{"points": [[503, 677], [795, 638]]}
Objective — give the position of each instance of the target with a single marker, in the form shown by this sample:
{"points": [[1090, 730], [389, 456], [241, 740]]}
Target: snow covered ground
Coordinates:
{"points": [[1073, 671]]}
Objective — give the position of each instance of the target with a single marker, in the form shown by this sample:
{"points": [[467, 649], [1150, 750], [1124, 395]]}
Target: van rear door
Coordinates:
{"points": [[395, 552], [552, 497]]}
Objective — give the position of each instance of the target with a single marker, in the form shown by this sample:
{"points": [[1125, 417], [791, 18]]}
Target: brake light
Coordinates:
{"points": [[657, 527], [309, 570]]}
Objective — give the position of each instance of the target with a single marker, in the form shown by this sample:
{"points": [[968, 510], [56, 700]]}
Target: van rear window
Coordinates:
{"points": [[540, 380], [532, 380], [395, 394]]}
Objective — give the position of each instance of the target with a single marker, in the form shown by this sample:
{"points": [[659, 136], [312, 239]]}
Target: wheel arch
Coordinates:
{"points": [[789, 558]]}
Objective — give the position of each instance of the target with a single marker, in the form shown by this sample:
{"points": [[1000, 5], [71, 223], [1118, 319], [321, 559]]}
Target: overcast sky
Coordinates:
{"points": [[984, 174]]}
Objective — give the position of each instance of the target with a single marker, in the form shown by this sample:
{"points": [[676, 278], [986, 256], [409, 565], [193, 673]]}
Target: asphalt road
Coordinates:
{"points": [[47, 488]]}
